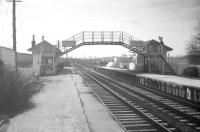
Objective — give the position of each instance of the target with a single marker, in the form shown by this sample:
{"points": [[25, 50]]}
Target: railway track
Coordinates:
{"points": [[131, 117], [188, 109], [159, 109]]}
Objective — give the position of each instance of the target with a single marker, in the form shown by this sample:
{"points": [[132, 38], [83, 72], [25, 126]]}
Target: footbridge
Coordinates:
{"points": [[104, 38], [118, 38]]}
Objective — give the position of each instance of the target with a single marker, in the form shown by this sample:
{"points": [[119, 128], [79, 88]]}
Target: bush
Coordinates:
{"points": [[190, 71], [194, 59], [14, 95]]}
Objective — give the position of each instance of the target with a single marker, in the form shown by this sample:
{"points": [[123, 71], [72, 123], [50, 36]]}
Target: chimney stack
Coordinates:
{"points": [[42, 37], [161, 39], [33, 41], [58, 44]]}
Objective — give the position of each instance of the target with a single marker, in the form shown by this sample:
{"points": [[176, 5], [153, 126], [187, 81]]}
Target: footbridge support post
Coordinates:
{"points": [[144, 64]]}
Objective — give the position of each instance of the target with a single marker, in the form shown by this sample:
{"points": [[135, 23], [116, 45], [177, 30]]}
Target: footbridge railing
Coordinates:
{"points": [[101, 38]]}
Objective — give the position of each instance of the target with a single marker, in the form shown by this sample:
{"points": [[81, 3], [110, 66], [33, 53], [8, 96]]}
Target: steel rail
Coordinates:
{"points": [[180, 113], [190, 104], [160, 127]]}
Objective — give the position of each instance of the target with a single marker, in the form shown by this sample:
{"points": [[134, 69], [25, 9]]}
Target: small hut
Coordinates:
{"points": [[45, 58]]}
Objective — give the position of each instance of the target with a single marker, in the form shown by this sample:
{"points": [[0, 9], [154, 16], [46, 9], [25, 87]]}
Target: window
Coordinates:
{"points": [[47, 60], [154, 49]]}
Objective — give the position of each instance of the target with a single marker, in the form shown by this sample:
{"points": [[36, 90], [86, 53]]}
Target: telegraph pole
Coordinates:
{"points": [[14, 33], [14, 30]]}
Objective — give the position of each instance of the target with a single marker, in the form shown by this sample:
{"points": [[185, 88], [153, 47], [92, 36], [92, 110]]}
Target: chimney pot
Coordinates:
{"points": [[161, 39], [33, 41], [42, 37], [58, 44]]}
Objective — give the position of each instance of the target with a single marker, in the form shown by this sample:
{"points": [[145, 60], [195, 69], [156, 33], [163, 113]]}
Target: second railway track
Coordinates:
{"points": [[153, 113]]}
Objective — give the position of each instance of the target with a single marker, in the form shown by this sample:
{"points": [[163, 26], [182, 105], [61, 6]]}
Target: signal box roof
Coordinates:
{"points": [[154, 42]]}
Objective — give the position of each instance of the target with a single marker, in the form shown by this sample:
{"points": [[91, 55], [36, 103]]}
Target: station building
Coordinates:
{"points": [[157, 60], [154, 57], [45, 58]]}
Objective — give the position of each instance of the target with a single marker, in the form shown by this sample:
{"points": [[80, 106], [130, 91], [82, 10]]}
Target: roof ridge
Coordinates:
{"points": [[47, 46]]}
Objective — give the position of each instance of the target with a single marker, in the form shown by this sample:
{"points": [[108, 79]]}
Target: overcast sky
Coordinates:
{"points": [[61, 19]]}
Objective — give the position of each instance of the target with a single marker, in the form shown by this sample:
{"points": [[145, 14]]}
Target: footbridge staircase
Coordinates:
{"points": [[111, 38]]}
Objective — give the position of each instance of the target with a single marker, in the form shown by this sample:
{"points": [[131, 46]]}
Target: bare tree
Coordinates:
{"points": [[193, 47]]}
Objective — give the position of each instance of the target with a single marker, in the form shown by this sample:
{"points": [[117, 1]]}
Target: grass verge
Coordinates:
{"points": [[15, 93]]}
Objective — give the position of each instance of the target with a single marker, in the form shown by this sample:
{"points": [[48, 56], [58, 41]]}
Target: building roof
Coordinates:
{"points": [[154, 42], [18, 53], [6, 48], [44, 46]]}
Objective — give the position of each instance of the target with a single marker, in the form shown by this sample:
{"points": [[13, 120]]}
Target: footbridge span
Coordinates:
{"points": [[103, 38], [153, 60]]}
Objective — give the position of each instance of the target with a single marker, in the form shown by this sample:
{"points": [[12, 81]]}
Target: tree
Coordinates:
{"points": [[193, 47], [124, 55]]}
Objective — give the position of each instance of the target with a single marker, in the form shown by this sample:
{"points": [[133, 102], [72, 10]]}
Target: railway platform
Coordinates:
{"points": [[165, 78], [181, 87], [65, 103]]}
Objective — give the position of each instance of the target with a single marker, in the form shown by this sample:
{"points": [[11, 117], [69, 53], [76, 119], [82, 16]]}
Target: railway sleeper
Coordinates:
{"points": [[116, 114], [127, 117], [133, 122], [118, 109], [144, 130], [121, 107], [137, 128], [136, 125], [121, 112], [131, 119]]}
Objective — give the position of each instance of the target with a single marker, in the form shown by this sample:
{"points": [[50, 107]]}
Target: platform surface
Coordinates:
{"points": [[65, 104], [174, 79], [166, 78]]}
